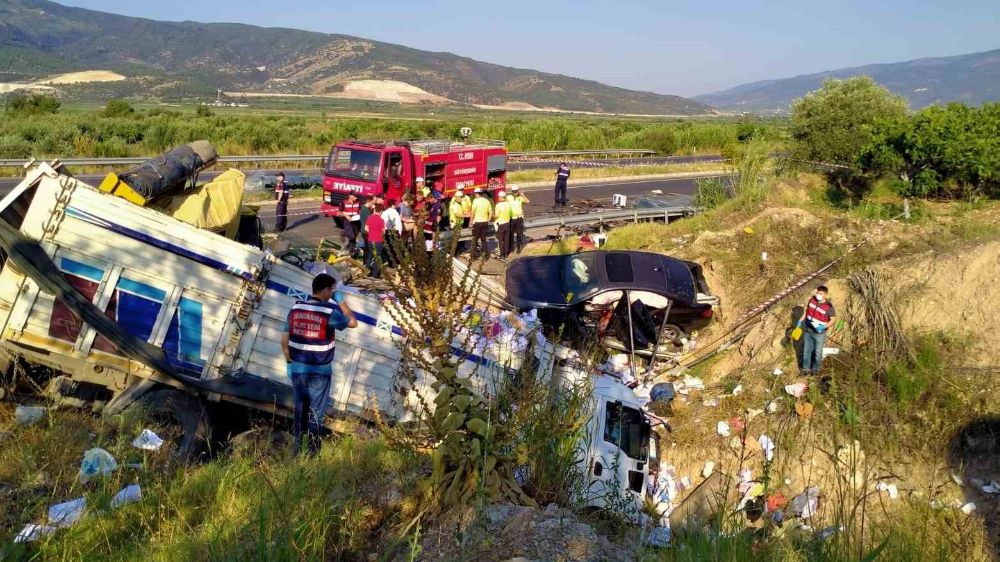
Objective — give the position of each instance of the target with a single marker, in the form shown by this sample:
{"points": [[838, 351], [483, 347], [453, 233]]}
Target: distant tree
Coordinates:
{"points": [[203, 111], [835, 123], [33, 104], [117, 108], [749, 129]]}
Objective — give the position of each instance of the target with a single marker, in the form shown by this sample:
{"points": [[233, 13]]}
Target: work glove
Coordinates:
{"points": [[798, 324], [338, 296]]}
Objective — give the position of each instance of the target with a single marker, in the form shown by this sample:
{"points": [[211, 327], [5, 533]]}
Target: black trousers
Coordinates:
{"points": [[351, 230], [281, 216], [479, 243], [517, 234], [503, 238], [560, 194]]}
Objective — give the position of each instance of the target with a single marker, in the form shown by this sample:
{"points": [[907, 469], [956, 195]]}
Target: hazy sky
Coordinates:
{"points": [[669, 47]]}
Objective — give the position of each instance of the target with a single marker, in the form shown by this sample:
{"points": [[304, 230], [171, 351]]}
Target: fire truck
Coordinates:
{"points": [[389, 168]]}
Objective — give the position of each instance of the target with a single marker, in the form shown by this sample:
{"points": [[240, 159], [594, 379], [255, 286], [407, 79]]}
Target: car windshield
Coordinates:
{"points": [[353, 163], [579, 275]]}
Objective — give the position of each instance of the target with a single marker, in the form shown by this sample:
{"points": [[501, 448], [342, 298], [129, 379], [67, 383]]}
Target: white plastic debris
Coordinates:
{"points": [[957, 479], [32, 532], [829, 532], [147, 441], [804, 505], [777, 372], [722, 428], [128, 494], [686, 481], [968, 508], [710, 402], [28, 415], [768, 447], [746, 475], [96, 462], [659, 537], [738, 390], [828, 351], [772, 406], [708, 470], [889, 489], [694, 382], [66, 513], [992, 488], [797, 390]]}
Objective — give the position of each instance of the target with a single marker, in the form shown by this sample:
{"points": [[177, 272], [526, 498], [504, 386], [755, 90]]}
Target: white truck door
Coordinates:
{"points": [[620, 453]]}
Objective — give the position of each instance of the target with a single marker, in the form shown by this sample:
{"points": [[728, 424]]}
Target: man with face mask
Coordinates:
{"points": [[817, 317]]}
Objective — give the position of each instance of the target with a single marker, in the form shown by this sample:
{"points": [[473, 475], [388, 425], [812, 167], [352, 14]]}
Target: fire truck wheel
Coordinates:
{"points": [[179, 419]]}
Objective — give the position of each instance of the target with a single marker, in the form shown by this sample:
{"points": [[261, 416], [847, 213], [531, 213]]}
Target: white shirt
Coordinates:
{"points": [[392, 220]]}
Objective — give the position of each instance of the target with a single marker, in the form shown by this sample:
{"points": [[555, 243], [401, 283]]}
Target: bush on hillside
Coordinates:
{"points": [[33, 104]]}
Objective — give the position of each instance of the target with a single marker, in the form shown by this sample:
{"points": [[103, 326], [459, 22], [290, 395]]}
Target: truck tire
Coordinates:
{"points": [[182, 419], [672, 334]]}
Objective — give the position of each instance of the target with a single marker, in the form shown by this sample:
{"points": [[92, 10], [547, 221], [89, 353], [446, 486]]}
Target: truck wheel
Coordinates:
{"points": [[672, 334], [179, 419]]}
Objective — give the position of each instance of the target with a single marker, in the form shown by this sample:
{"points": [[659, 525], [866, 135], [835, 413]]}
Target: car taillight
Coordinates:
{"points": [[707, 313]]}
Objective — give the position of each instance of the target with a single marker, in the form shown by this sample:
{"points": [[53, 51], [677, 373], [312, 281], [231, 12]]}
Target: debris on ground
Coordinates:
{"points": [[708, 470], [767, 446], [29, 415], [890, 489], [805, 504], [797, 390], [66, 513], [147, 441], [32, 532], [992, 488], [96, 462], [804, 410], [128, 494], [968, 508], [659, 537], [722, 428]]}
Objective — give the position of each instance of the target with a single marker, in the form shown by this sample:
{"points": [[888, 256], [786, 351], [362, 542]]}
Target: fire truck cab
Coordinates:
{"points": [[389, 169]]}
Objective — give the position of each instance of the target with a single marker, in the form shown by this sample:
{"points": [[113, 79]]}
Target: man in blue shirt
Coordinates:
{"points": [[308, 345]]}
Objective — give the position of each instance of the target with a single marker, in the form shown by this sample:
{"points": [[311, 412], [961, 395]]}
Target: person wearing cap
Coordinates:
{"points": [[350, 210], [431, 220], [281, 193], [482, 214], [562, 176], [517, 201], [456, 214], [502, 216]]}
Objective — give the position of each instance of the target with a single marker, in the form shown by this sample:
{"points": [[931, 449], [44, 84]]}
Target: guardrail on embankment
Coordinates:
{"points": [[318, 158]]}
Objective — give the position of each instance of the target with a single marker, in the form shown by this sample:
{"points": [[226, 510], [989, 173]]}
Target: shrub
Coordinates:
{"points": [[34, 104], [711, 192], [203, 111], [117, 108]]}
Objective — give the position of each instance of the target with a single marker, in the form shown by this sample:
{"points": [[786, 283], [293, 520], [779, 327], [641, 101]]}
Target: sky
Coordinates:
{"points": [[669, 47]]}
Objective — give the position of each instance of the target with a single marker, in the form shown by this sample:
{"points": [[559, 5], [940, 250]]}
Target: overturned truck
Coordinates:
{"points": [[122, 304]]}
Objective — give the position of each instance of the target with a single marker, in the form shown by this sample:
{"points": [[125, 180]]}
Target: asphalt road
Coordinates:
{"points": [[6, 184], [306, 223]]}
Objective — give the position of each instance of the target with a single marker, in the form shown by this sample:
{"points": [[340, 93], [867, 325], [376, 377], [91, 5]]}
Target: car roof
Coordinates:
{"points": [[644, 271]]}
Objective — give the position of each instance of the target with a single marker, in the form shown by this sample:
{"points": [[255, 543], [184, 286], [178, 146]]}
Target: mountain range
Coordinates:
{"points": [[39, 38], [971, 79]]}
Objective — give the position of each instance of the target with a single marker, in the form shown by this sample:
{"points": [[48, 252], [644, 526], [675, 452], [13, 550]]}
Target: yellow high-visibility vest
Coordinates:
{"points": [[503, 212]]}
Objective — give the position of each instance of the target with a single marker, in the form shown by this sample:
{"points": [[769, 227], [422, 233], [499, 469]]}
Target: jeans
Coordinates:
{"points": [[351, 230], [560, 194], [812, 351], [312, 392], [373, 255]]}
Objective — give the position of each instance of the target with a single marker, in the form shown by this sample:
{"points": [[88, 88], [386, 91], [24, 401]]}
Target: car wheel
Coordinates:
{"points": [[673, 334], [179, 419]]}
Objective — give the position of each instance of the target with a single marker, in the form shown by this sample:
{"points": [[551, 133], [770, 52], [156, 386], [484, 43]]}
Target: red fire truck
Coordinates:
{"points": [[389, 168]]}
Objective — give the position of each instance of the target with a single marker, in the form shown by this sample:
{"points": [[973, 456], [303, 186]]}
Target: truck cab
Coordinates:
{"points": [[389, 169]]}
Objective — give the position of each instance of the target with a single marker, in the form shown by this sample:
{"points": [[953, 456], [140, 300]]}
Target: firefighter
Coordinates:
{"points": [[502, 216], [517, 202], [431, 220], [562, 176], [308, 346], [482, 214], [818, 316], [456, 215], [281, 193], [350, 210]]}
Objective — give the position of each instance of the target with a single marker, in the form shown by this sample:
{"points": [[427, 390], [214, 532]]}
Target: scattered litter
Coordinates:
{"points": [[797, 389], [828, 351], [686, 482], [829, 532], [755, 490], [751, 414], [708, 470], [32, 532], [128, 494], [746, 475], [968, 508], [804, 505], [747, 230], [657, 192], [889, 489], [957, 480], [778, 517], [776, 501], [96, 462], [738, 390], [28, 415], [768, 446], [772, 406], [66, 513], [992, 488], [804, 409], [788, 481], [659, 537], [722, 428], [694, 382], [777, 372], [147, 441], [737, 424], [662, 391], [710, 402]]}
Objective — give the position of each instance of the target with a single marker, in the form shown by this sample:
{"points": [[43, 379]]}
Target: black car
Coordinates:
{"points": [[584, 295]]}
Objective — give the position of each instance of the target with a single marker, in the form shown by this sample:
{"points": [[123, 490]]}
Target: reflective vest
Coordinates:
{"points": [[431, 221], [456, 212], [281, 192], [503, 212], [310, 339], [481, 210], [516, 207], [352, 210], [818, 311], [562, 175]]}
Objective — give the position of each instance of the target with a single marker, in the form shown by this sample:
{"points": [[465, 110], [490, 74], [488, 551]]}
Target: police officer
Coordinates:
{"points": [[482, 214], [562, 176], [281, 193], [502, 217], [308, 344], [517, 202]]}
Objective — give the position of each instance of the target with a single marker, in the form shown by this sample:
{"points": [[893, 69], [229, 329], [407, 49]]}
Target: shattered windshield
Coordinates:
{"points": [[579, 275], [353, 163]]}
